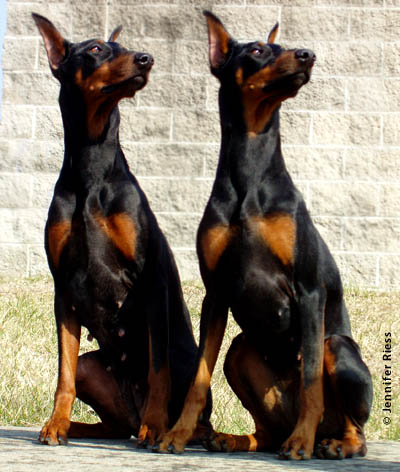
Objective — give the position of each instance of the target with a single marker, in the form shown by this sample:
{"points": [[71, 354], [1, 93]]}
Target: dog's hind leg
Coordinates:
{"points": [[350, 387], [99, 389], [263, 393]]}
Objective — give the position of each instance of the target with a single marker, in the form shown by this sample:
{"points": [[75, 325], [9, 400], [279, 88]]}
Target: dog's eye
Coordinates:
{"points": [[256, 51], [95, 49]]}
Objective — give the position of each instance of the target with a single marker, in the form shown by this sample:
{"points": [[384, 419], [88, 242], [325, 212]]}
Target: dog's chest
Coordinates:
{"points": [[276, 233]]}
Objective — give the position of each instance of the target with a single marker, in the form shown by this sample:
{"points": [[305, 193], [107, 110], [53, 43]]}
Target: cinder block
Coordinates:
{"points": [[391, 54], [191, 57], [145, 124], [392, 3], [165, 21], [391, 129], [346, 129], [180, 229], [31, 156], [294, 3], [89, 21], [172, 195], [306, 162], [187, 263], [22, 225], [319, 94], [212, 93], [20, 22], [16, 121], [389, 272], [348, 58], [377, 95], [372, 234], [211, 159], [14, 260], [357, 270], [42, 90], [251, 23], [331, 231], [361, 3], [15, 190], [368, 24], [196, 126], [48, 124], [380, 24], [130, 17], [329, 24], [43, 189], [37, 261], [390, 201], [295, 127], [19, 54], [169, 160], [174, 91], [372, 164], [344, 199]]}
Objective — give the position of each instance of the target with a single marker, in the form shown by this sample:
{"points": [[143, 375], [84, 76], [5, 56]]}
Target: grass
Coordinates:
{"points": [[28, 361]]}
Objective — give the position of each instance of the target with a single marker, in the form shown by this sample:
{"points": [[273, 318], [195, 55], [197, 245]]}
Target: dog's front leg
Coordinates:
{"points": [[55, 431], [300, 444], [214, 317], [154, 423]]}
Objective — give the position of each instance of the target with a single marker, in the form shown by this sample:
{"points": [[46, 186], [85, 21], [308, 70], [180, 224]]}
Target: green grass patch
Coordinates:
{"points": [[29, 359]]}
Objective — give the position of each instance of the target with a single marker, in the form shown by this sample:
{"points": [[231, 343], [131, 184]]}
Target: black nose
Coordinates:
{"points": [[305, 55], [143, 59]]}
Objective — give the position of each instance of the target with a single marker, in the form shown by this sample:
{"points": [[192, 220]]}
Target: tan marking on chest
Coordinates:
{"points": [[279, 233], [120, 229], [214, 242], [58, 235]]}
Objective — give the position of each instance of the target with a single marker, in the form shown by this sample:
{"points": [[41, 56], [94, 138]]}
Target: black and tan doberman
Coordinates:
{"points": [[113, 270], [295, 366]]}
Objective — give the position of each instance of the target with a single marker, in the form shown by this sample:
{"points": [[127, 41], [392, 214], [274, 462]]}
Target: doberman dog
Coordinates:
{"points": [[113, 270], [295, 366]]}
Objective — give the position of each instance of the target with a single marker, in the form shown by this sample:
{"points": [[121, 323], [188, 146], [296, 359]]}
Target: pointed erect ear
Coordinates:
{"points": [[55, 44], [114, 35], [219, 41], [273, 34]]}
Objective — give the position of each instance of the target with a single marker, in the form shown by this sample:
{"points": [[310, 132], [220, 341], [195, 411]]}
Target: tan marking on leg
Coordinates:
{"points": [[279, 233], [57, 427], [58, 235], [155, 417], [197, 394]]}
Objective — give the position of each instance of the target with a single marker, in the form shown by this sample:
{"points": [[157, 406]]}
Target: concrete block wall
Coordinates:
{"points": [[341, 134]]}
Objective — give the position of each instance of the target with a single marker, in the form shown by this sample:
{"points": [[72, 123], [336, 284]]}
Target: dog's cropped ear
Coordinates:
{"points": [[273, 33], [219, 41], [114, 35], [56, 46]]}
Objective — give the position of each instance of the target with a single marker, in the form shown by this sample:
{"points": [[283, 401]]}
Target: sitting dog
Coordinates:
{"points": [[295, 366], [113, 270]]}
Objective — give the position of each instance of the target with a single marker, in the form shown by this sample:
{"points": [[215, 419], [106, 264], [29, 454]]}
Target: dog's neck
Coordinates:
{"points": [[248, 160], [87, 162]]}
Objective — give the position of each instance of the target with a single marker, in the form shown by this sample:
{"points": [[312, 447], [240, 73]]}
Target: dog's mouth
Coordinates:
{"points": [[290, 82], [134, 83]]}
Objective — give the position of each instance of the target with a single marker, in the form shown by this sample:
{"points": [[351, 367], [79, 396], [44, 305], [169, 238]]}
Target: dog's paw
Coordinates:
{"points": [[149, 433], [55, 432], [173, 442], [296, 448], [339, 449]]}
